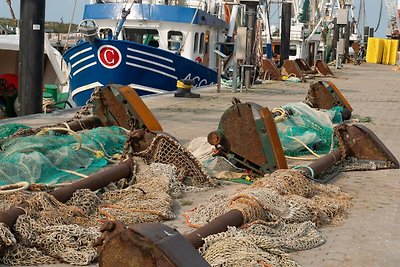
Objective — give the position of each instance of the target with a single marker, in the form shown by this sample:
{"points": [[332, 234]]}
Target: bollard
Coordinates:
{"points": [[183, 89]]}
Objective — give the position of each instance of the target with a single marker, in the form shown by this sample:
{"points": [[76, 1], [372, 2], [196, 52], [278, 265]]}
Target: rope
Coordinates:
{"points": [[307, 167], [74, 134], [300, 158], [75, 173], [70, 25], [282, 115], [47, 102], [190, 26], [12, 188], [380, 16], [97, 153], [305, 146]]}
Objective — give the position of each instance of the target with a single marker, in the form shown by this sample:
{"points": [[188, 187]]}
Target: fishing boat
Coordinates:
{"points": [[152, 47], [54, 72]]}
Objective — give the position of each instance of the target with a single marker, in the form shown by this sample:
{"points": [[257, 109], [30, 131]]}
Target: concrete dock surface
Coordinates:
{"points": [[370, 235]]}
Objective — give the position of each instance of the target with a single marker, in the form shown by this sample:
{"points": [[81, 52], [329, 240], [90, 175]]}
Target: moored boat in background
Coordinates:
{"points": [[152, 46]]}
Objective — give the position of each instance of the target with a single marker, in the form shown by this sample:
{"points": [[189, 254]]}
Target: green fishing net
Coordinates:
{"points": [[310, 126], [46, 158], [10, 129]]}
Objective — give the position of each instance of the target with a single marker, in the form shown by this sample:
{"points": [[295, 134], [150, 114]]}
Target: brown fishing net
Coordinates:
{"points": [[148, 200], [165, 149], [260, 244], [287, 207], [52, 232]]}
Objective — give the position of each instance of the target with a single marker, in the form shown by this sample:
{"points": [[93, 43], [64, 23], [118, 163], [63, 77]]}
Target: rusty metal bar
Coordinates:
{"points": [[93, 182], [84, 124], [235, 217], [324, 163], [218, 225]]}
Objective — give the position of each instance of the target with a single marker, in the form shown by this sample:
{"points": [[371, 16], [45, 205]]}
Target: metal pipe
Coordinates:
{"points": [[325, 162], [31, 50], [93, 182], [235, 217], [218, 225], [83, 124]]}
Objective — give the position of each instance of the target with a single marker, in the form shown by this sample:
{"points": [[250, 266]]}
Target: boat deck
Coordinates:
{"points": [[370, 235]]}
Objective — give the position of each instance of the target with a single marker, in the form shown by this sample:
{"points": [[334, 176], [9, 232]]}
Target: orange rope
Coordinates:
{"points": [[187, 219]]}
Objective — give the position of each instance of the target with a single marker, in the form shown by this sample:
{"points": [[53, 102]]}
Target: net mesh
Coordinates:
{"points": [[44, 158], [283, 210], [260, 244], [310, 126], [52, 232], [10, 129], [165, 149]]}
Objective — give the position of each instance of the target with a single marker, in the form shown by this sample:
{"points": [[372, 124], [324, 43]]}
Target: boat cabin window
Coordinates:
{"points": [[174, 40], [196, 42], [142, 36], [106, 33], [293, 50], [201, 50]]}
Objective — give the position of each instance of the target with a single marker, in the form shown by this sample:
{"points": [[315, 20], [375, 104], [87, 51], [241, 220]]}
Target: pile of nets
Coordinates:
{"points": [[285, 199], [260, 244], [52, 232], [54, 157], [303, 124], [9, 129], [166, 149]]}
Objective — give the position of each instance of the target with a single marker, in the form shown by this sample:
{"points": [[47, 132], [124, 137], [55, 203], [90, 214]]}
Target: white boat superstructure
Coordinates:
{"points": [[312, 26], [164, 25], [54, 68]]}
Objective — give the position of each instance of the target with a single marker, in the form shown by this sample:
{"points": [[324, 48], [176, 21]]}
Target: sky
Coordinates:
{"points": [[57, 10]]}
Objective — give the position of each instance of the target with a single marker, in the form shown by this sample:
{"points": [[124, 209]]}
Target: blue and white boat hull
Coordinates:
{"points": [[148, 69]]}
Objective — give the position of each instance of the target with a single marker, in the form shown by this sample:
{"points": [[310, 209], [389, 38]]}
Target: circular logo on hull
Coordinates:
{"points": [[109, 56]]}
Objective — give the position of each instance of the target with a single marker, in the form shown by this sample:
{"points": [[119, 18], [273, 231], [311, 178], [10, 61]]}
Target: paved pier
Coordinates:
{"points": [[370, 236]]}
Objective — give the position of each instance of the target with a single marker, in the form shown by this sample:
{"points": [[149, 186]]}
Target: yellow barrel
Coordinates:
{"points": [[393, 52], [375, 50]]}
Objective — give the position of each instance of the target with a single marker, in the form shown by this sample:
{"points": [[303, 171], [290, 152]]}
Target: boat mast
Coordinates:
{"points": [[393, 9]]}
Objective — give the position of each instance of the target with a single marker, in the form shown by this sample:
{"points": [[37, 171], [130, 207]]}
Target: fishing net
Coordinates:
{"points": [[148, 200], [260, 244], [283, 195], [165, 149], [302, 124], [10, 129], [50, 157], [218, 167], [52, 232], [290, 207]]}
